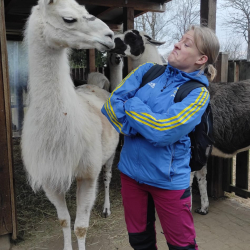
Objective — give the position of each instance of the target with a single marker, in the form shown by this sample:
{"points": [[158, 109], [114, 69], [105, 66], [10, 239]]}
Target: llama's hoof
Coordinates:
{"points": [[199, 211], [106, 213]]}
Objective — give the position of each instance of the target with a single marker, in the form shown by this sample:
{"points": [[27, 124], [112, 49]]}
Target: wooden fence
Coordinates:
{"points": [[82, 73], [222, 169], [238, 70]]}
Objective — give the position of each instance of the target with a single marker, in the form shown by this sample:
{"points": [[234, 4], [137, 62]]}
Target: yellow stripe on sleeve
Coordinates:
{"points": [[109, 109], [200, 102]]}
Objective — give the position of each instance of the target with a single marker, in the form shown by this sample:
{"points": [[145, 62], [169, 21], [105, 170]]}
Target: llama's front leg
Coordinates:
{"points": [[58, 199], [202, 182], [191, 184], [86, 193], [107, 175]]}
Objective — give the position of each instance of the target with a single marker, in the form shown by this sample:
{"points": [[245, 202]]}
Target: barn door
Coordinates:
{"points": [[7, 201]]}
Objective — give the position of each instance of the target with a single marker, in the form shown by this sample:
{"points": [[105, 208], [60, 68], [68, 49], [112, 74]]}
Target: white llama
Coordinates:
{"points": [[115, 64], [65, 136], [98, 79]]}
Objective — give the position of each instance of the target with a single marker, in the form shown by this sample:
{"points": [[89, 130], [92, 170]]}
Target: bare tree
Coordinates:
{"points": [[155, 24], [184, 13], [234, 49], [238, 18], [172, 24]]}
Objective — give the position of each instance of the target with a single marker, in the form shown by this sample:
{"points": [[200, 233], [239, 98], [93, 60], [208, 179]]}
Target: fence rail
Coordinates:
{"points": [[82, 73]]}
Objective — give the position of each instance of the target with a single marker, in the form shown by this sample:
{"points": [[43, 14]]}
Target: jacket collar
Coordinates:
{"points": [[182, 76]]}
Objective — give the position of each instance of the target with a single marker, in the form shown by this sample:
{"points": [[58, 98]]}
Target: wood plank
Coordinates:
{"points": [[242, 192], [7, 200], [227, 174], [242, 169], [236, 71], [136, 4], [215, 177], [222, 68], [219, 168]]}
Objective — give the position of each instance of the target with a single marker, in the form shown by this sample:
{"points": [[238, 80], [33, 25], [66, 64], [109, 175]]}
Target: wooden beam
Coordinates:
{"points": [[115, 27], [128, 24], [8, 5], [104, 12], [7, 199], [208, 13], [99, 10], [136, 4], [91, 60]]}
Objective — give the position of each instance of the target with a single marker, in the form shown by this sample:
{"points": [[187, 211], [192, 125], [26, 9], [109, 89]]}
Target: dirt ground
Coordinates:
{"points": [[37, 219], [38, 228]]}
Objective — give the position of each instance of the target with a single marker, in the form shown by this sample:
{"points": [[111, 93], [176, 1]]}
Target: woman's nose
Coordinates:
{"points": [[177, 45]]}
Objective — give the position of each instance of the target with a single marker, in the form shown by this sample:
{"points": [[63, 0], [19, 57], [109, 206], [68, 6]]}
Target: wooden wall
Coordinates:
{"points": [[7, 203]]}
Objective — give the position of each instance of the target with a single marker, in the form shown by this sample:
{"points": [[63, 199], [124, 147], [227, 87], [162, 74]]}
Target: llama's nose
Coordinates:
{"points": [[110, 35]]}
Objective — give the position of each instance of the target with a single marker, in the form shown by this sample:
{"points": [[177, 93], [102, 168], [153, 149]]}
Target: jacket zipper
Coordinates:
{"points": [[137, 169], [166, 84], [171, 162]]}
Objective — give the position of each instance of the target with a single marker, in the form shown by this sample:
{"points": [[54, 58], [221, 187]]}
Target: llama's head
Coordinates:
{"points": [[68, 24], [115, 59], [132, 43]]}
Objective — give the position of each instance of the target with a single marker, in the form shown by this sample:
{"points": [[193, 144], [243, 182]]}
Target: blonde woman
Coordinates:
{"points": [[154, 161]]}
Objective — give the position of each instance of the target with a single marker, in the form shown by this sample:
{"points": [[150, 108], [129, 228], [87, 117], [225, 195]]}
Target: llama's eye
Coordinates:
{"points": [[69, 19]]}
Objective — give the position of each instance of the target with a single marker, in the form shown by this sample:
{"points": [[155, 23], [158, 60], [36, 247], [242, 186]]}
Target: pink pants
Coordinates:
{"points": [[173, 209]]}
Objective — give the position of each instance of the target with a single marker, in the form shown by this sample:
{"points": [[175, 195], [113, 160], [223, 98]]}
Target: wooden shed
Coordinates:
{"points": [[13, 15]]}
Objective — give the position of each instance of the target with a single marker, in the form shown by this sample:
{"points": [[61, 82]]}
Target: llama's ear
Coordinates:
{"points": [[50, 1], [153, 41]]}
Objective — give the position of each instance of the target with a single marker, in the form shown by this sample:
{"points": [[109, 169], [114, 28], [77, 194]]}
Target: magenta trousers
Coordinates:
{"points": [[173, 209]]}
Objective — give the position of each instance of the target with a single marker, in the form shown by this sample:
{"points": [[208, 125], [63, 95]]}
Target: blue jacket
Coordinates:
{"points": [[156, 148]]}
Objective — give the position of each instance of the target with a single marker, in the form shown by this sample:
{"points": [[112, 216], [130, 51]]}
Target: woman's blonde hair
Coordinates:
{"points": [[208, 44]]}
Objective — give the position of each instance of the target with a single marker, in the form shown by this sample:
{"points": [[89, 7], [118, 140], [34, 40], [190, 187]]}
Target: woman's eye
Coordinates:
{"points": [[69, 19], [186, 45]]}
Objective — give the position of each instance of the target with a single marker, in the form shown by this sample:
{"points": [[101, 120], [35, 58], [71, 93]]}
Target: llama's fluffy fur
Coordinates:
{"points": [[65, 136]]}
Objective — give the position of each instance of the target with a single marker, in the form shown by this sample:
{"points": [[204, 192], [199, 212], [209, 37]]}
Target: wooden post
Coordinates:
{"points": [[208, 13], [219, 169], [231, 68], [236, 71], [222, 68], [128, 24], [216, 167], [7, 200], [91, 60]]}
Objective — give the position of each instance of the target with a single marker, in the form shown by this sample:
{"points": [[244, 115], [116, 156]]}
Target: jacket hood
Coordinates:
{"points": [[181, 76]]}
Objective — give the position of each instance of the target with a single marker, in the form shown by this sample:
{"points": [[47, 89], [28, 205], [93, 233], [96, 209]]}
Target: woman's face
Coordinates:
{"points": [[185, 55]]}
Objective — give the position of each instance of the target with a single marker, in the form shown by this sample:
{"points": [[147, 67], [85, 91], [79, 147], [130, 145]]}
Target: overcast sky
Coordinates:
{"points": [[224, 33]]}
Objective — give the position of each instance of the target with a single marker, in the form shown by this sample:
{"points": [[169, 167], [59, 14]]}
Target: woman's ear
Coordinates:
{"points": [[202, 60]]}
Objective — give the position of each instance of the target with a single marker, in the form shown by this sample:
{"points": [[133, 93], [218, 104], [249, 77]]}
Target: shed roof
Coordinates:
{"points": [[110, 11]]}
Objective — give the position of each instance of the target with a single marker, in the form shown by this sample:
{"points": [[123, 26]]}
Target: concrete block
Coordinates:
{"points": [[5, 242]]}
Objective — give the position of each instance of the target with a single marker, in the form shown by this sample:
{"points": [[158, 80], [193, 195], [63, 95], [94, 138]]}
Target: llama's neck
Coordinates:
{"points": [[115, 75], [49, 72], [150, 54]]}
